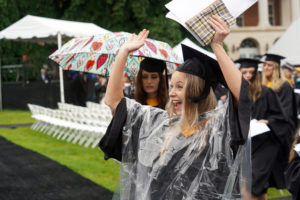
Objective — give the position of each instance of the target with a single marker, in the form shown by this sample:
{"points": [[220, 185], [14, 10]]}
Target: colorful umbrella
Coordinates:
{"points": [[97, 53]]}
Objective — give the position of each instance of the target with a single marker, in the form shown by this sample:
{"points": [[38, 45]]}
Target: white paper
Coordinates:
{"points": [[297, 149], [186, 9], [238, 7], [257, 128], [297, 91]]}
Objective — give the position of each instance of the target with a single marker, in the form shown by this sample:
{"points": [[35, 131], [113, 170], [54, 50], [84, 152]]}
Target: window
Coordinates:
{"points": [[240, 20], [271, 13]]}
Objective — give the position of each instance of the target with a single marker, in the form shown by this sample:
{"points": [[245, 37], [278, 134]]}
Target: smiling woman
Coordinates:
{"points": [[191, 151]]}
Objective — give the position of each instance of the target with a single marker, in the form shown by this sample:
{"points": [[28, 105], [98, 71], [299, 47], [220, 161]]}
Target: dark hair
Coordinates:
{"points": [[141, 96]]}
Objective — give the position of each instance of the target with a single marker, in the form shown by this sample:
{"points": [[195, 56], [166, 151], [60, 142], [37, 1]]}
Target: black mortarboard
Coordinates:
{"points": [[288, 66], [273, 57], [203, 66], [247, 63], [153, 65]]}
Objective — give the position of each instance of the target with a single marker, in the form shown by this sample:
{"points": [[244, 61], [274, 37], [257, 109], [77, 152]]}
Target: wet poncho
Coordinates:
{"points": [[159, 163]]}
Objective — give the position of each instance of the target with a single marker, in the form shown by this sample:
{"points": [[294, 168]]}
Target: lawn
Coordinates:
{"points": [[85, 161]]}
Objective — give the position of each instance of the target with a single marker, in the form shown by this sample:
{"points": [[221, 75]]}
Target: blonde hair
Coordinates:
{"points": [[190, 114], [256, 88], [276, 81]]}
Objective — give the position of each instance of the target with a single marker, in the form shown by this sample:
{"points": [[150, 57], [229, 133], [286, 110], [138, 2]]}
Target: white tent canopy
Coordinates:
{"points": [[42, 29], [178, 50], [288, 44]]}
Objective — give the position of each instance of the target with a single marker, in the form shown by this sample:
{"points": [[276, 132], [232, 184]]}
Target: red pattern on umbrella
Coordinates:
{"points": [[89, 64], [96, 46], [101, 60]]}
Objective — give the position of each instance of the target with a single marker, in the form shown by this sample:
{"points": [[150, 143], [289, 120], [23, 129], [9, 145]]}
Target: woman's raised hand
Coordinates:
{"points": [[135, 42], [221, 28]]}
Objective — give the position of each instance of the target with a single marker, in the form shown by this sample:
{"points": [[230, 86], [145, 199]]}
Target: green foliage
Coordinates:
{"points": [[113, 15]]}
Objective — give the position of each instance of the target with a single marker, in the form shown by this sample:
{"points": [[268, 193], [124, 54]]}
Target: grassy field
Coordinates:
{"points": [[85, 161]]}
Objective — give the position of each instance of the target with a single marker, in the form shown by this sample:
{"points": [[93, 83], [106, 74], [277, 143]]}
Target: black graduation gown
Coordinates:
{"points": [[288, 102], [213, 180], [292, 176], [265, 147]]}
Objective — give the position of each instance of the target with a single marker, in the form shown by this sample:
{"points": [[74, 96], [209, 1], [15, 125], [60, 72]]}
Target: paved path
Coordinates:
{"points": [[14, 125], [27, 175]]}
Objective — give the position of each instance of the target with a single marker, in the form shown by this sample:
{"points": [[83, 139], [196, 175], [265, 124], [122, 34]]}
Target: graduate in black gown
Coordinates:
{"points": [[272, 78], [292, 173], [266, 109], [192, 150]]}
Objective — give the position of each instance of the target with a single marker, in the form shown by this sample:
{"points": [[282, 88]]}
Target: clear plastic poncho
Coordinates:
{"points": [[158, 162]]}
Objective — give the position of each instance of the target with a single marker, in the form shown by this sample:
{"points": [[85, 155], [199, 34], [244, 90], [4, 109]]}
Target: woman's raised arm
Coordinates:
{"points": [[114, 90], [232, 75]]}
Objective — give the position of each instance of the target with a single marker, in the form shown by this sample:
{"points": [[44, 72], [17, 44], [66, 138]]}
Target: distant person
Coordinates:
{"points": [[100, 88], [43, 76], [292, 173], [151, 87], [126, 86], [272, 79], [266, 146], [288, 70], [297, 77]]}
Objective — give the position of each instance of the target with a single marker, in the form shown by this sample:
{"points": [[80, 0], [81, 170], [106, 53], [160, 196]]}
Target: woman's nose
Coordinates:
{"points": [[171, 92]]}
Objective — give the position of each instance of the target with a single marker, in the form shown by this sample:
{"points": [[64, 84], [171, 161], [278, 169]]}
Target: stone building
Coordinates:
{"points": [[260, 26]]}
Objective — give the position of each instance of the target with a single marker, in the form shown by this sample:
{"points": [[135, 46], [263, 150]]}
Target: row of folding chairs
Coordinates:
{"points": [[75, 124]]}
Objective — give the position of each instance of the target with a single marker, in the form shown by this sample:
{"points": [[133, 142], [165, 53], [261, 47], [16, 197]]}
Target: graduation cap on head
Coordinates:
{"points": [[248, 63], [203, 66], [288, 66], [273, 57], [153, 65]]}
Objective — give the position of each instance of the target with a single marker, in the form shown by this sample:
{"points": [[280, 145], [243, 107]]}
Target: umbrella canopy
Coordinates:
{"points": [[288, 44], [97, 53]]}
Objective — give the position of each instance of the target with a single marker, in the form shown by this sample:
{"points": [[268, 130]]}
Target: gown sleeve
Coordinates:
{"points": [[240, 115], [276, 116], [111, 143], [288, 101], [292, 176]]}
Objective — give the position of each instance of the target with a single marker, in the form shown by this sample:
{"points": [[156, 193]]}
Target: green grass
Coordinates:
{"points": [[85, 161], [15, 117]]}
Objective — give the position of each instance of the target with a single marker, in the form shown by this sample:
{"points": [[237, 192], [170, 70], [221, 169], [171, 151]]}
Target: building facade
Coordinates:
{"points": [[260, 26]]}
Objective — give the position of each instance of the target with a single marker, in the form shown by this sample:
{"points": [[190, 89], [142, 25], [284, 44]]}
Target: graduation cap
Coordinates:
{"points": [[273, 57], [288, 66], [203, 66], [248, 63], [153, 65]]}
